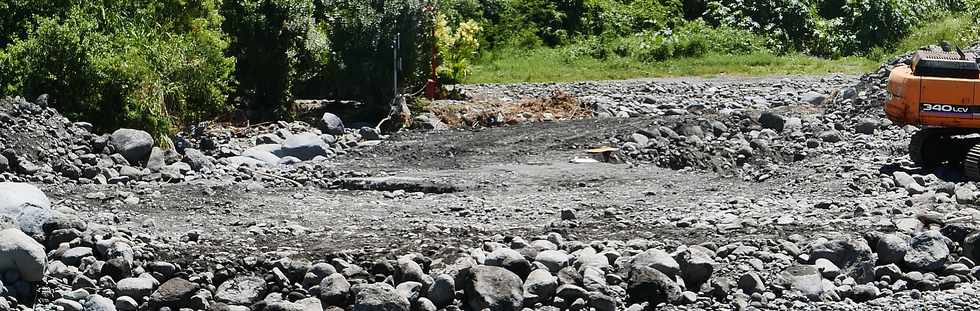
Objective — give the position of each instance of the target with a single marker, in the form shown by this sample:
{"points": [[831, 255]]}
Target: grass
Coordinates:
{"points": [[955, 29], [550, 65]]}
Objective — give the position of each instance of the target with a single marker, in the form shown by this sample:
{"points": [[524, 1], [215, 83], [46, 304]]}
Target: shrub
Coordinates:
{"points": [[456, 47], [786, 24], [362, 62], [142, 64], [828, 27], [621, 18], [973, 11], [692, 39], [280, 48]]}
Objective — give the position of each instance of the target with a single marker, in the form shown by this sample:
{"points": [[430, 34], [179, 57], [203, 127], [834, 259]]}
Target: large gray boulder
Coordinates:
{"points": [[648, 284], [657, 259], [331, 124], [803, 279], [492, 287], [174, 293], [379, 297], [928, 252], [98, 303], [197, 160], [157, 160], [243, 290], [509, 259], [891, 248], [262, 153], [304, 146], [853, 256], [13, 195], [135, 287], [134, 145], [334, 290], [25, 207], [696, 267], [21, 253], [772, 121], [540, 285], [443, 290], [554, 260]]}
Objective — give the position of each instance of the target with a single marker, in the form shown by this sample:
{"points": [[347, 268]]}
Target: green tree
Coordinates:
{"points": [[143, 64], [280, 49]]}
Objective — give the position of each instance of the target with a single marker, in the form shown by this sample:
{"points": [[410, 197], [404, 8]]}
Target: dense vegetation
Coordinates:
{"points": [[159, 64]]}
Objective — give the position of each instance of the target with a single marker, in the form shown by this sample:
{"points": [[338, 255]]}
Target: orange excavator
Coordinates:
{"points": [[939, 93]]}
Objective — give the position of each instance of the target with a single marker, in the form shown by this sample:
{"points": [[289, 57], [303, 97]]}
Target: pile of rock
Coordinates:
{"points": [[752, 145], [59, 261], [43, 146], [34, 137], [673, 96]]}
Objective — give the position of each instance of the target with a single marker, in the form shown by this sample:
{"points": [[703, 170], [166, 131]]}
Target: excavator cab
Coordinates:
{"points": [[940, 93]]}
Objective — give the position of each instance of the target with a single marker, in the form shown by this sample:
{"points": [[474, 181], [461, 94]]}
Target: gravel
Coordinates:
{"points": [[735, 193]]}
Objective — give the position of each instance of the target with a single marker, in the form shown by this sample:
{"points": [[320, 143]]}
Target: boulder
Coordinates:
{"points": [[134, 145], [750, 282], [262, 154], [369, 133], [98, 303], [175, 293], [334, 290], [904, 180], [242, 290], [853, 256], [509, 259], [891, 248], [379, 297], [331, 124], [282, 305], [813, 98], [864, 292], [803, 279], [409, 270], [647, 284], [552, 259], [13, 195], [772, 121], [21, 253], [197, 160], [409, 290], [696, 266], [928, 252], [657, 259], [957, 231], [135, 287], [540, 285], [74, 255], [866, 126], [492, 287], [25, 207], [310, 304], [304, 146], [443, 291], [157, 160], [429, 121]]}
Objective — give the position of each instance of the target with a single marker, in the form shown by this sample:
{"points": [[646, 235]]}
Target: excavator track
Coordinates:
{"points": [[971, 164], [931, 147], [921, 155]]}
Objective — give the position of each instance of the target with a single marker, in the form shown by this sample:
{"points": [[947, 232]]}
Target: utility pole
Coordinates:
{"points": [[397, 62]]}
